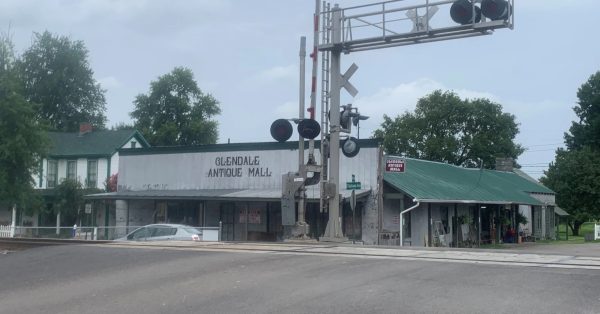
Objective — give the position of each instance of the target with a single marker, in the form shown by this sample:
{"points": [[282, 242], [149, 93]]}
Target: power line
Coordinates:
{"points": [[538, 145], [539, 150]]}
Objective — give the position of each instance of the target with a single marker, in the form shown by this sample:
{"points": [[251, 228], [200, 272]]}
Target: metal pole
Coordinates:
{"points": [[402, 220], [300, 138], [313, 89], [333, 230]]}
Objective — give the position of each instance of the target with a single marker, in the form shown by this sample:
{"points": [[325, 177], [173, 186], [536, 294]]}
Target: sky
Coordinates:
{"points": [[245, 54]]}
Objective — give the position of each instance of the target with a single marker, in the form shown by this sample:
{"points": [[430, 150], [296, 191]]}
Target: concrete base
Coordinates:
{"points": [[299, 231], [333, 239]]}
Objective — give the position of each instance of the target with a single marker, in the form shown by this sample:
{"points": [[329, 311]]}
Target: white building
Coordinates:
{"points": [[240, 185]]}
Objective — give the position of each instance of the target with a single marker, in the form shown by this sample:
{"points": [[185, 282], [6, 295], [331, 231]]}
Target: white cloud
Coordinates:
{"points": [[277, 73], [552, 4], [109, 82], [142, 16], [289, 109], [542, 123], [394, 101]]}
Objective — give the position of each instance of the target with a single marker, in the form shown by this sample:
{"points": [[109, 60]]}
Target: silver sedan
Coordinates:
{"points": [[164, 232]]}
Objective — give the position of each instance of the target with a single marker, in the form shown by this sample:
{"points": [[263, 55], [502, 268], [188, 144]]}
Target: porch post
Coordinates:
{"points": [[127, 222], [479, 225], [58, 223], [533, 221], [13, 223], [567, 228], [106, 218], [401, 220], [455, 225], [429, 224]]}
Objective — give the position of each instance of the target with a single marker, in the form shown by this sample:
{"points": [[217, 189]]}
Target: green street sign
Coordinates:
{"points": [[353, 186]]}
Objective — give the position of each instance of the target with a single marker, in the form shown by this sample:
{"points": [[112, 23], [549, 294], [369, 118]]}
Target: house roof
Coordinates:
{"points": [[428, 181], [96, 143], [561, 212]]}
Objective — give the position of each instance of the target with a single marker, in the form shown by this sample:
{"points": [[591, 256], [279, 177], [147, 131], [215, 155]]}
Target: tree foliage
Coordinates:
{"points": [[57, 75], [446, 128], [22, 139], [111, 183], [176, 112], [575, 175], [68, 199], [122, 126], [586, 132]]}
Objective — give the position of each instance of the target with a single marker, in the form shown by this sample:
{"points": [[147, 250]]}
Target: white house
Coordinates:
{"points": [[87, 156]]}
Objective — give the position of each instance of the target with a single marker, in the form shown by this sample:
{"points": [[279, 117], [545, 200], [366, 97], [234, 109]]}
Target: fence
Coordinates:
{"points": [[597, 232], [6, 231], [136, 233]]}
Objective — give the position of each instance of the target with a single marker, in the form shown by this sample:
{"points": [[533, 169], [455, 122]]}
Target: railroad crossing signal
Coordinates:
{"points": [[382, 18], [345, 80]]}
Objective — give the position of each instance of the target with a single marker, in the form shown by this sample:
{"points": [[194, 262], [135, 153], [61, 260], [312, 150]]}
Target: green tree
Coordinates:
{"points": [[122, 126], [23, 141], [446, 128], [57, 75], [575, 177], [176, 112], [68, 200], [586, 132]]}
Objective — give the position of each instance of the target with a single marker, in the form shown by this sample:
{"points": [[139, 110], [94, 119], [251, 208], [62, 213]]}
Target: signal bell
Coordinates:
{"points": [[461, 12], [309, 128], [281, 130]]}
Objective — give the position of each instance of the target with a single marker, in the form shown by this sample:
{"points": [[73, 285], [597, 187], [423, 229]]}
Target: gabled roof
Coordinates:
{"points": [[429, 181], [95, 143]]}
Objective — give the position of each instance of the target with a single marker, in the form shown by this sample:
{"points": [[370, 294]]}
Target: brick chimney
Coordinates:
{"points": [[504, 164], [85, 128]]}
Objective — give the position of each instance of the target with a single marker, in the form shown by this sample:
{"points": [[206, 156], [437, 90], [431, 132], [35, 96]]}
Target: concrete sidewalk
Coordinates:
{"points": [[499, 257]]}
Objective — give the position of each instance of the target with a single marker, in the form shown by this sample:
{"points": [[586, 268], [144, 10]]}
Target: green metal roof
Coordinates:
{"points": [[95, 143], [561, 212], [428, 181]]}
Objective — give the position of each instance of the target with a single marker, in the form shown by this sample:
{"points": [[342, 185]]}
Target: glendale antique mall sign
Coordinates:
{"points": [[238, 166], [394, 165]]}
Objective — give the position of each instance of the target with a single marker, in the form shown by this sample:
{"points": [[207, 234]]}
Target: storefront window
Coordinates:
{"points": [[160, 213]]}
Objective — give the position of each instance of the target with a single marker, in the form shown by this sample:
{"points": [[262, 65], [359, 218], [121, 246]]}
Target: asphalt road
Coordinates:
{"points": [[105, 279]]}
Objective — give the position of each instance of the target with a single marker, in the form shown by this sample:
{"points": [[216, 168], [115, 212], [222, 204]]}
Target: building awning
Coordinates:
{"points": [[561, 212], [209, 194], [435, 182]]}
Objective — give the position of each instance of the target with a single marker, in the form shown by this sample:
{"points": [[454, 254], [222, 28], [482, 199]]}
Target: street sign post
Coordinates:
{"points": [[353, 185]]}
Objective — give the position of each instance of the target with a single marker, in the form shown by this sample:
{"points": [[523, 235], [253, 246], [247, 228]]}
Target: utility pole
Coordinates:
{"points": [[333, 231]]}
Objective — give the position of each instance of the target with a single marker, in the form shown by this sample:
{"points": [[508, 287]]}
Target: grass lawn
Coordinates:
{"points": [[587, 227]]}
